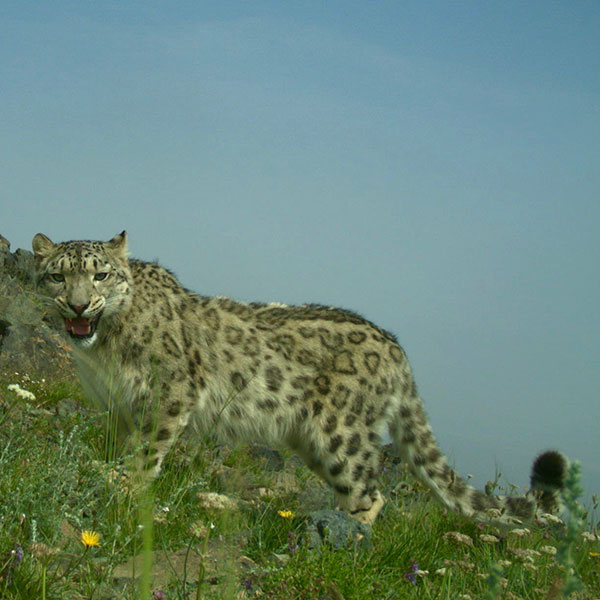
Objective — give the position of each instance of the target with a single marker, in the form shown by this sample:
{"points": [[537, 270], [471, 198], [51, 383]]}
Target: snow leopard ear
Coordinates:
{"points": [[118, 245], [42, 246]]}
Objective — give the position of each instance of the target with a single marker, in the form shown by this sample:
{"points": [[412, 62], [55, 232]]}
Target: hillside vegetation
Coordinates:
{"points": [[181, 540], [223, 522]]}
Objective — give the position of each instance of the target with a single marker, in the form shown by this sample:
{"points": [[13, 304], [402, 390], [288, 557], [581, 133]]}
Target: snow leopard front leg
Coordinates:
{"points": [[158, 419]]}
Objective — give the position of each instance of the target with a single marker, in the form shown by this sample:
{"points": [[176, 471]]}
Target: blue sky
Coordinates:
{"points": [[433, 166]]}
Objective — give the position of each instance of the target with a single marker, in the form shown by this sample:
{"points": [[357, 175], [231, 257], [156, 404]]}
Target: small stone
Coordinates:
{"points": [[335, 528], [279, 559]]}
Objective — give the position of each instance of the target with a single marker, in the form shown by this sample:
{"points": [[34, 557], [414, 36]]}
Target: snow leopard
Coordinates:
{"points": [[321, 380]]}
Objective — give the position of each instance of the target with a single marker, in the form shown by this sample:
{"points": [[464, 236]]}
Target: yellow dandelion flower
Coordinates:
{"points": [[285, 514], [90, 538]]}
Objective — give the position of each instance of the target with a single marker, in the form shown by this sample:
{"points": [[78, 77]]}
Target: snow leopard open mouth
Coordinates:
{"points": [[81, 327]]}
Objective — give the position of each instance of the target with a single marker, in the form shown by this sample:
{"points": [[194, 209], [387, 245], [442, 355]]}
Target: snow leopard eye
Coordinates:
{"points": [[100, 276], [57, 277]]}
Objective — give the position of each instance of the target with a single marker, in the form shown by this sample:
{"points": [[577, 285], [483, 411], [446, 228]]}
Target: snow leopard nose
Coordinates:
{"points": [[79, 308]]}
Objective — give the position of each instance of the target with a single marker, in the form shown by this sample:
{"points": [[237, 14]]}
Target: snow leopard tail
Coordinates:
{"points": [[418, 448]]}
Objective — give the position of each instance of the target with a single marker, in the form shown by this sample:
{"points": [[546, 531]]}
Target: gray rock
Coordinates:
{"points": [[7, 261], [335, 528], [273, 460], [27, 343], [24, 264]]}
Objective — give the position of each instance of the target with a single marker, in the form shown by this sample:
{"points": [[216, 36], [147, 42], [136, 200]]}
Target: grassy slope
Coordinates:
{"points": [[54, 483]]}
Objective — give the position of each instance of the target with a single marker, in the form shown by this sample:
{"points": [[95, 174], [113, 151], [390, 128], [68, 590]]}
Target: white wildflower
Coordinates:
{"points": [[524, 554], [459, 538], [550, 518], [488, 539], [19, 391], [548, 550], [588, 536], [520, 532]]}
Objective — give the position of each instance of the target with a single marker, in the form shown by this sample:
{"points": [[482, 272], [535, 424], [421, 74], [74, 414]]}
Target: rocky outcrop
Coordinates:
{"points": [[27, 343]]}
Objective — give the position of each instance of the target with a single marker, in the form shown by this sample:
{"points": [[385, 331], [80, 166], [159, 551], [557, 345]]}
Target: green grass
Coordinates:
{"points": [[55, 482]]}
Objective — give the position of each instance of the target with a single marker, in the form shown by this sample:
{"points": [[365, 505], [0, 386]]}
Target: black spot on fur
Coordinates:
{"points": [[372, 360], [273, 378], [397, 354], [374, 437], [267, 404], [418, 460], [353, 444], [299, 383], [408, 437], [322, 384], [170, 345], [370, 415], [357, 404], [349, 420], [163, 434], [330, 424], [357, 337], [174, 408], [238, 381], [337, 467], [357, 472], [434, 455], [335, 443], [405, 412]]}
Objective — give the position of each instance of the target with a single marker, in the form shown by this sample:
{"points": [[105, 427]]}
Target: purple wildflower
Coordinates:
{"points": [[411, 574], [159, 595]]}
